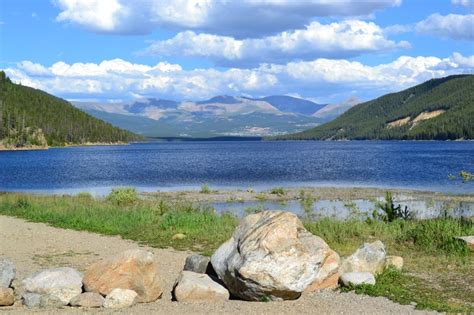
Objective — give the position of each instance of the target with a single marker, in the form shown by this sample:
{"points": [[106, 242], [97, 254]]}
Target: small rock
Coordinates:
{"points": [[120, 298], [31, 299], [7, 297], [7, 272], [198, 287], [357, 278], [368, 258], [197, 263], [65, 294], [61, 283], [178, 236], [134, 269], [48, 300], [88, 299], [469, 240], [394, 261]]}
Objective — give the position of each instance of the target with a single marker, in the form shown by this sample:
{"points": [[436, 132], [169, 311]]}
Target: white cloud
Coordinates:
{"points": [[453, 26], [335, 40], [463, 3], [246, 18], [320, 78]]}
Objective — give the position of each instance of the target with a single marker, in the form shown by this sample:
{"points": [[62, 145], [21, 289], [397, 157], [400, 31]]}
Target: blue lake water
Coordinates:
{"points": [[240, 164]]}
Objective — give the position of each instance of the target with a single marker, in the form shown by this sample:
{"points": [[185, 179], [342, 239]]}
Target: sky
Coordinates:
{"points": [[323, 50]]}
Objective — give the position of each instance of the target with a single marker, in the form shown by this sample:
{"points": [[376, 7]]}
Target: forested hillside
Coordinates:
{"points": [[33, 118], [439, 109]]}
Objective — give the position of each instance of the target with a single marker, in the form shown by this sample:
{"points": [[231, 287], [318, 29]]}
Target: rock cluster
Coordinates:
{"points": [[128, 278], [271, 256]]}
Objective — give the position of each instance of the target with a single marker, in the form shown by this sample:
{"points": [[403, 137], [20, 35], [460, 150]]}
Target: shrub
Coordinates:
{"points": [[123, 196], [23, 203], [205, 189], [277, 191], [390, 212]]}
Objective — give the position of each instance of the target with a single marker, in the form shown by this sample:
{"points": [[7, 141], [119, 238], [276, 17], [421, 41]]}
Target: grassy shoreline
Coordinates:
{"points": [[438, 268]]}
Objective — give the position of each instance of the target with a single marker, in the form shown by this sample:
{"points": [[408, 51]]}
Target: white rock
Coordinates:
{"points": [[357, 278], [270, 256], [370, 257], [7, 272], [63, 283], [120, 298], [198, 287]]}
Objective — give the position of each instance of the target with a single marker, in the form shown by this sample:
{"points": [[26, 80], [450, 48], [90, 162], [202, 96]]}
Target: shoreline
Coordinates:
{"points": [[240, 194], [39, 148]]}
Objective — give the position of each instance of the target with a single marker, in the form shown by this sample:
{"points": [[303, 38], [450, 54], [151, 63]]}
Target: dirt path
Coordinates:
{"points": [[35, 246]]}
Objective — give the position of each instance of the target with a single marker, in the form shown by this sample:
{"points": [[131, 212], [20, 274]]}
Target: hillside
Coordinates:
{"points": [[33, 118], [438, 109]]}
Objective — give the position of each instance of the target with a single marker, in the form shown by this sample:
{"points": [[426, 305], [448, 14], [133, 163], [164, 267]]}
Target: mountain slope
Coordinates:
{"points": [[30, 117], [290, 104], [437, 109]]}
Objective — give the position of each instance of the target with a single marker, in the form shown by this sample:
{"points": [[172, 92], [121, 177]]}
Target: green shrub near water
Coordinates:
{"points": [[123, 196]]}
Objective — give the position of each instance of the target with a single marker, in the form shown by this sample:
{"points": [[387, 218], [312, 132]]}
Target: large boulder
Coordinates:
{"points": [[7, 272], [134, 269], [63, 283], [7, 297], [270, 256], [328, 274], [120, 298], [370, 257], [198, 287]]}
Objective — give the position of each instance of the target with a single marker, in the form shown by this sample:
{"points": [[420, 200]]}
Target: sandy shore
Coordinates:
{"points": [[317, 193], [35, 246]]}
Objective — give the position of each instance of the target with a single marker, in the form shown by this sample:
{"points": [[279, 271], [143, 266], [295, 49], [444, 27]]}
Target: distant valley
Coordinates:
{"points": [[216, 117]]}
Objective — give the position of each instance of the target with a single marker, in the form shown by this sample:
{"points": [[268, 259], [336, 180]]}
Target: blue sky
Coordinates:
{"points": [[327, 51]]}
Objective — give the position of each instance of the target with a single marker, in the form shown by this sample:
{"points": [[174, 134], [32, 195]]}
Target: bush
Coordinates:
{"points": [[123, 196], [278, 191], [205, 189], [390, 212], [23, 203]]}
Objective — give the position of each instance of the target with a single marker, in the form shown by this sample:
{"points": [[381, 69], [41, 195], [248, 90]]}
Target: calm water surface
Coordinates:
{"points": [[240, 164]]}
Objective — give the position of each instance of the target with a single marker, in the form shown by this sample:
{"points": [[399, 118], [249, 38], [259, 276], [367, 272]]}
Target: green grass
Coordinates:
{"points": [[403, 288], [438, 272]]}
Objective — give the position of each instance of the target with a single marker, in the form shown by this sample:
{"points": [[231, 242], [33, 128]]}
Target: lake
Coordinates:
{"points": [[423, 165]]}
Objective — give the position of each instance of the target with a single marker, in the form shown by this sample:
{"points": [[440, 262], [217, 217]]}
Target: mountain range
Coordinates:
{"points": [[438, 109], [216, 117]]}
